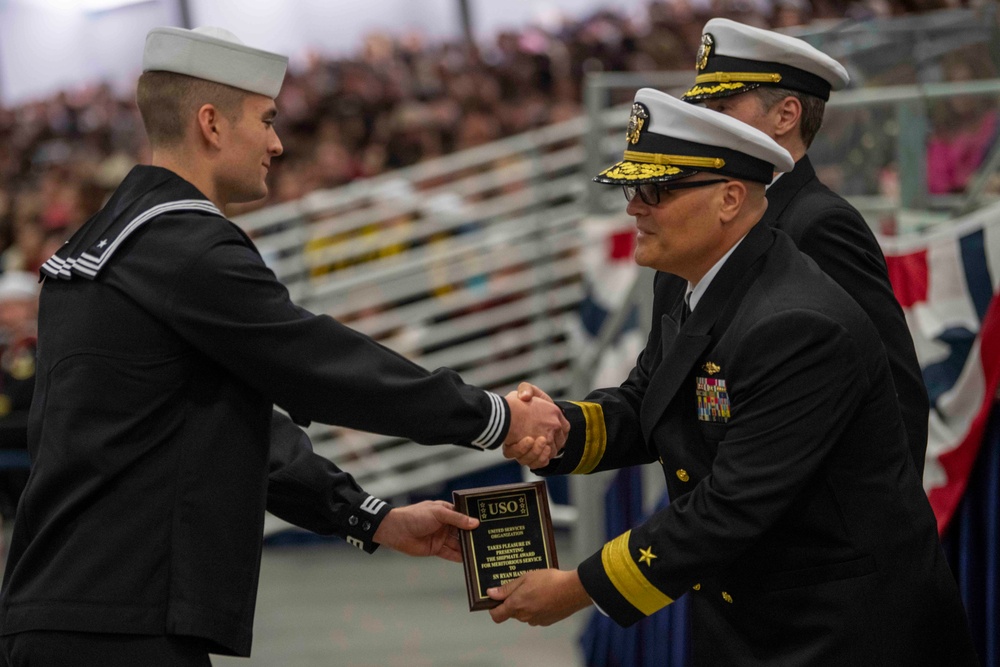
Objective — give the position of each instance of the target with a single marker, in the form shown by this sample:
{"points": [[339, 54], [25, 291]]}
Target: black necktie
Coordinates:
{"points": [[686, 310]]}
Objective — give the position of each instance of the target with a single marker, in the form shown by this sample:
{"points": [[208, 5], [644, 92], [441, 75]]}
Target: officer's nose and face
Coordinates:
{"points": [[677, 222]]}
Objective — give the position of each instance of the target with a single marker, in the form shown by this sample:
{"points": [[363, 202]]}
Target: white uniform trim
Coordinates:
{"points": [[372, 505], [495, 424], [91, 265]]}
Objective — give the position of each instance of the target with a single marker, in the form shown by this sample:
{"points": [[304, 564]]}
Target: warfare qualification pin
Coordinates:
{"points": [[711, 368], [636, 122], [707, 42]]}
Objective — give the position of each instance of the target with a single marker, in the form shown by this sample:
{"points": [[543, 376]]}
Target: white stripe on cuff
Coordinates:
{"points": [[495, 424], [372, 505]]}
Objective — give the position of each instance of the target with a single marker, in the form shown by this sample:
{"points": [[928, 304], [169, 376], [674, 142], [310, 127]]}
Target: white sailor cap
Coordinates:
{"points": [[214, 54], [735, 58], [668, 139]]}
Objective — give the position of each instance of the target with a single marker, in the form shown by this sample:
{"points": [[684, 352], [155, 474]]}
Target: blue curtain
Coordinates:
{"points": [[660, 640], [972, 545]]}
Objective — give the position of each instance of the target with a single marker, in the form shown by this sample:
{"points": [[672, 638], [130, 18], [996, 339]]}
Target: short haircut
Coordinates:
{"points": [[167, 100], [812, 109]]}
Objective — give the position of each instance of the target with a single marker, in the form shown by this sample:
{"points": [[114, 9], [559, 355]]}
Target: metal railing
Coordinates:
{"points": [[470, 262]]}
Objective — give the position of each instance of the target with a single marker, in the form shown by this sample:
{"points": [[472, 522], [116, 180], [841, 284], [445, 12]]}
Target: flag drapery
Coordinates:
{"points": [[946, 283]]}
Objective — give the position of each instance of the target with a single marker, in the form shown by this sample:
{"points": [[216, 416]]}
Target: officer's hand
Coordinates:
{"points": [[527, 391], [540, 597], [537, 418], [530, 452]]}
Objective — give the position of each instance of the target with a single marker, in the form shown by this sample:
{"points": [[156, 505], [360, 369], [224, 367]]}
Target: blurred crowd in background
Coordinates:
{"points": [[397, 102]]}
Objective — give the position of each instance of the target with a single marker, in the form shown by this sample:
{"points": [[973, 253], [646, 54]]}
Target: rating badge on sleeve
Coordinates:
{"points": [[713, 401]]}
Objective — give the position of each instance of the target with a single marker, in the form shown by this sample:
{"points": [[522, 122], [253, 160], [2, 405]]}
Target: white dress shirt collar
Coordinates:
{"points": [[695, 292]]}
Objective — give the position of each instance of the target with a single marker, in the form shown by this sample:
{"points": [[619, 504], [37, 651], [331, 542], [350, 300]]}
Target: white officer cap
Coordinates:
{"points": [[735, 58], [668, 139], [18, 286], [214, 54]]}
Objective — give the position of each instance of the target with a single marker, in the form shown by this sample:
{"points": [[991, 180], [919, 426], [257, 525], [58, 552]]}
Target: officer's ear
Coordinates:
{"points": [[786, 115], [734, 193]]}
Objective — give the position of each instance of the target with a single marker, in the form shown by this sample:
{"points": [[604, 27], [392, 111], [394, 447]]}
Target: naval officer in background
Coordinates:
{"points": [[780, 85]]}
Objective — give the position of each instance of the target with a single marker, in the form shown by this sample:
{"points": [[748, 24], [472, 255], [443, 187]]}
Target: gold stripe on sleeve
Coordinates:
{"points": [[628, 579], [596, 439]]}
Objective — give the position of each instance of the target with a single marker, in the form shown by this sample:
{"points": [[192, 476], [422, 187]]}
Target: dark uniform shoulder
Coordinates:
{"points": [[815, 204], [147, 197], [792, 280]]}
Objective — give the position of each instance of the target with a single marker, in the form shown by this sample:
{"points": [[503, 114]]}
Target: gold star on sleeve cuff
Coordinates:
{"points": [[647, 556], [626, 576]]}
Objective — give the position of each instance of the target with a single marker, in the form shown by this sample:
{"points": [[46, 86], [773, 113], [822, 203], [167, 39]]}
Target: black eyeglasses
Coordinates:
{"points": [[650, 192]]}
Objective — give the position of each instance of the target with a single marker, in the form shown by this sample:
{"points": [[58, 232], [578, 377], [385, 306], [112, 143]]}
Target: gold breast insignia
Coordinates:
{"points": [[711, 368]]}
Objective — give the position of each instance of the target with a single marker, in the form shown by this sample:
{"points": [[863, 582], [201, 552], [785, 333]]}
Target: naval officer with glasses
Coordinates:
{"points": [[797, 522]]}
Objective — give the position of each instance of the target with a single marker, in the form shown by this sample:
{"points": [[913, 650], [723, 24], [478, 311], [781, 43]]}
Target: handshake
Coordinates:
{"points": [[538, 429], [537, 433]]}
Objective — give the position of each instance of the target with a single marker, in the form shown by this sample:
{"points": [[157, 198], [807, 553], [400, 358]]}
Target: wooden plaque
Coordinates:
{"points": [[514, 536]]}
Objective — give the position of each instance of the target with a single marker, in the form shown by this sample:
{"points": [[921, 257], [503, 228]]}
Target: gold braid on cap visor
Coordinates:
{"points": [[712, 90], [637, 165], [630, 171]]}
